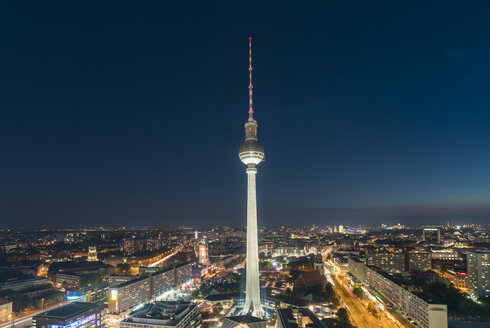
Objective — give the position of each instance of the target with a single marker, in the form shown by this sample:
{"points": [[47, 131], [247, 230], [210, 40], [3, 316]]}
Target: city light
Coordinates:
{"points": [[134, 186]]}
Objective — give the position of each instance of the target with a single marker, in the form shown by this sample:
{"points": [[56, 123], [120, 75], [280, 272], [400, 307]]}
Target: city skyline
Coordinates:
{"points": [[384, 107], [135, 191]]}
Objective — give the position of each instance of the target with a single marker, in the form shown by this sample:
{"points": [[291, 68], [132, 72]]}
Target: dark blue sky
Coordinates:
{"points": [[131, 113]]}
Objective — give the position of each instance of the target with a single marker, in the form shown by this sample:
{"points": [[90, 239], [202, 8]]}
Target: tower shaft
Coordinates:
{"points": [[252, 297]]}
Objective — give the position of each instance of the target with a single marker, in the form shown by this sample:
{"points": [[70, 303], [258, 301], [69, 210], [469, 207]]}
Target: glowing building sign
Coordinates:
{"points": [[73, 297], [77, 323]]}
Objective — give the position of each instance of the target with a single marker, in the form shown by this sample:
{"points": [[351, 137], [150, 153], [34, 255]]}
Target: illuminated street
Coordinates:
{"points": [[160, 261], [26, 321], [361, 316]]}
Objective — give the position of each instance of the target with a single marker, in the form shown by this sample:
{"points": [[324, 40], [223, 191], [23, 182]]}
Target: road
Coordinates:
{"points": [[26, 321], [360, 315], [358, 311], [154, 264]]}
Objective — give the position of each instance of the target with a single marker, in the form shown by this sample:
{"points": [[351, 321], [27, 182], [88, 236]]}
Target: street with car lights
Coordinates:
{"points": [[360, 315], [26, 320]]}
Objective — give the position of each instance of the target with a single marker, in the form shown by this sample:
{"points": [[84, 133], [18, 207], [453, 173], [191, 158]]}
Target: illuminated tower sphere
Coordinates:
{"points": [[251, 153]]}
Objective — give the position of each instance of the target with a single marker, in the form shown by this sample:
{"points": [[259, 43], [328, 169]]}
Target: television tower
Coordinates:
{"points": [[251, 153]]}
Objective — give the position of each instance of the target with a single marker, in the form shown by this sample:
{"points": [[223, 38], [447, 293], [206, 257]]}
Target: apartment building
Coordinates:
{"points": [[478, 266], [412, 303], [388, 261], [397, 262], [129, 294]]}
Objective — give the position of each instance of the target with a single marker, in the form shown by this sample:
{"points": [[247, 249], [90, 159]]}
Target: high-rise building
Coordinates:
{"points": [[92, 254], [478, 267], [397, 262], [341, 229], [203, 253], [251, 153], [387, 261], [431, 234], [419, 261], [128, 294], [132, 245], [447, 255]]}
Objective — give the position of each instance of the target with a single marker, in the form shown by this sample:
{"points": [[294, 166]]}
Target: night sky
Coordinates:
{"points": [[130, 113]]}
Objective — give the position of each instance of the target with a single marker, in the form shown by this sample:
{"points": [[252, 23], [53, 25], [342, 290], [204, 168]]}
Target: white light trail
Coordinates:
{"points": [[26, 320], [162, 260]]}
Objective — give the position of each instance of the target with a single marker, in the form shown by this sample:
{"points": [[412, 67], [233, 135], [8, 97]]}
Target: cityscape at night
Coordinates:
{"points": [[245, 164]]}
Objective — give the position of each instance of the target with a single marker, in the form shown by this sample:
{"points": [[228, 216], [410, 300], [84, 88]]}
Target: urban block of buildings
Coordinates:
{"points": [[129, 294], [413, 304]]}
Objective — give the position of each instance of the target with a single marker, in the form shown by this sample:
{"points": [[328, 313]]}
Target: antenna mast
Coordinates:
{"points": [[250, 86]]}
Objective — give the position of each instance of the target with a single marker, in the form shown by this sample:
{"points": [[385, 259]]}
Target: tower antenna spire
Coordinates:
{"points": [[250, 86]]}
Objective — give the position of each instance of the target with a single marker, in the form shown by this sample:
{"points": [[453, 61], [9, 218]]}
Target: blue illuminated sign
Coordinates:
{"points": [[77, 323], [73, 297]]}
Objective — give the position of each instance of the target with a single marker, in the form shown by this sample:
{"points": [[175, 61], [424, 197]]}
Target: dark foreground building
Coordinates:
{"points": [[295, 318], [73, 315], [244, 321], [164, 315]]}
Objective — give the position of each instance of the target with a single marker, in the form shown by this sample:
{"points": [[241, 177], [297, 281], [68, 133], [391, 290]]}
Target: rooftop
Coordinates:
{"points": [[24, 281], [126, 283], [291, 300], [245, 319], [161, 313], [222, 297], [404, 284], [308, 279], [67, 311], [288, 320], [480, 251], [285, 316], [170, 268]]}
